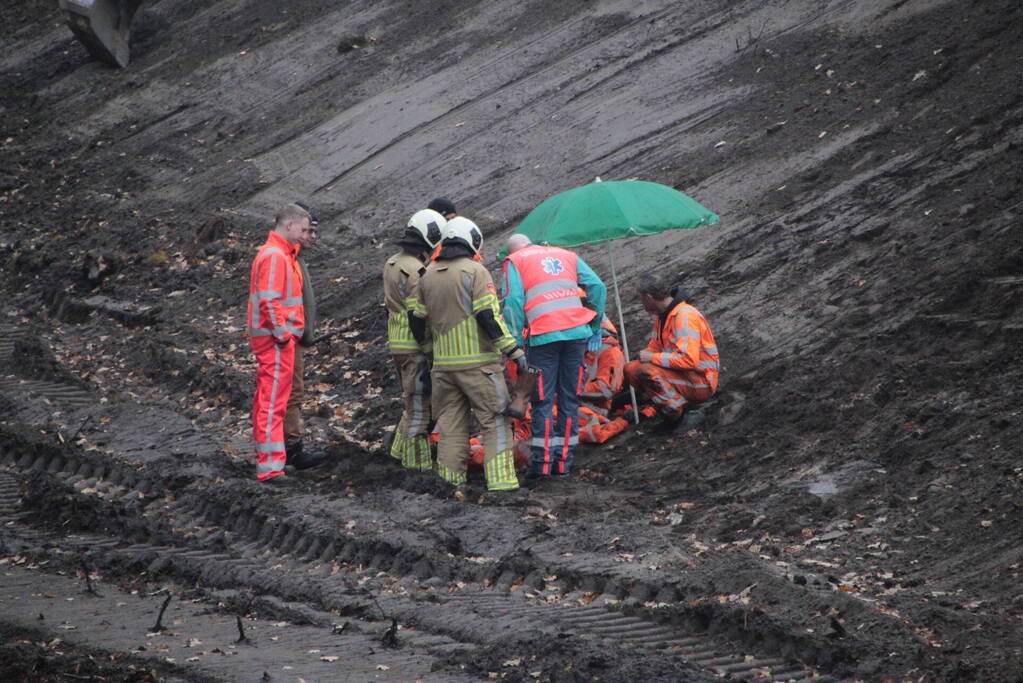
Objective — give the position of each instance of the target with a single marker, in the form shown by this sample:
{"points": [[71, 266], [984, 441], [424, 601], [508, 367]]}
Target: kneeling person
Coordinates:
{"points": [[604, 376], [680, 363]]}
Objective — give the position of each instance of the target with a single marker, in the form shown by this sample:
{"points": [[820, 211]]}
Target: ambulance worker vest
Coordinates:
{"points": [[551, 283]]}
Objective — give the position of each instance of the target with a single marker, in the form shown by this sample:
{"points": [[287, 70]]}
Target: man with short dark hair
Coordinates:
{"points": [[294, 425], [444, 206], [276, 319], [680, 364]]}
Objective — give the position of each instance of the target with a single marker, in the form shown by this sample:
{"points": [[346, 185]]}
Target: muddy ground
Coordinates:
{"points": [[851, 509]]}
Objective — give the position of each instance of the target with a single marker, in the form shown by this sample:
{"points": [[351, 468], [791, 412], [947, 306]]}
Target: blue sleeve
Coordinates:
{"points": [[514, 302], [596, 292]]}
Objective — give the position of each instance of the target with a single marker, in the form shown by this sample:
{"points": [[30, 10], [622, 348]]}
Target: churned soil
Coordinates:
{"points": [[854, 499]]}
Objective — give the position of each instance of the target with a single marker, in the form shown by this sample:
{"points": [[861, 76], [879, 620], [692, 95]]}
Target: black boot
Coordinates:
{"points": [[689, 419], [299, 459]]}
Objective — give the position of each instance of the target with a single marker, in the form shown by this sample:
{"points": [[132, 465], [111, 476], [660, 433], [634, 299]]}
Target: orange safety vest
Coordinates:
{"points": [[550, 279], [275, 291]]}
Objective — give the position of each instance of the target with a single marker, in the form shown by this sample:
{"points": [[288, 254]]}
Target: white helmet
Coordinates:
{"points": [[461, 228], [429, 224]]}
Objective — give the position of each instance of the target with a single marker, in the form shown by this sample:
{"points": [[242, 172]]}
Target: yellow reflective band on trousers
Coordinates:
{"points": [[399, 446], [417, 454], [450, 476], [461, 345], [500, 472]]}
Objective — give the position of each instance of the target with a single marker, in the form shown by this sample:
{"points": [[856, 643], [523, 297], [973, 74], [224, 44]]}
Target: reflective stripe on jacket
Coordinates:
{"points": [[401, 288], [550, 279], [451, 293], [275, 292], [685, 342]]}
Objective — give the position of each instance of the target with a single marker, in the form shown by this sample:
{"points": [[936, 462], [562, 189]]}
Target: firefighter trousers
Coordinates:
{"points": [[294, 425], [669, 390], [411, 445], [274, 372], [485, 392]]}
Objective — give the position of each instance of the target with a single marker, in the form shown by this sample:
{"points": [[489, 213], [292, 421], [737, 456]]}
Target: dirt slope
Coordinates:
{"points": [[861, 465]]}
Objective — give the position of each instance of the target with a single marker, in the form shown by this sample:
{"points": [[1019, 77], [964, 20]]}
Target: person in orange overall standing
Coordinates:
{"points": [[276, 321], [680, 364], [294, 424]]}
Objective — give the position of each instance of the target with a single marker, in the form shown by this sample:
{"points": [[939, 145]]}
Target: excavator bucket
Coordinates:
{"points": [[103, 26]]}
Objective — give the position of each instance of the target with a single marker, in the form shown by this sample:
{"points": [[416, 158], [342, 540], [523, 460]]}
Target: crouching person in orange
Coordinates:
{"points": [[604, 376], [276, 320], [680, 364]]}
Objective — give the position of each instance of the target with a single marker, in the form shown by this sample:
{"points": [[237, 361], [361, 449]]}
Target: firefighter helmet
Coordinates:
{"points": [[428, 224], [461, 228]]}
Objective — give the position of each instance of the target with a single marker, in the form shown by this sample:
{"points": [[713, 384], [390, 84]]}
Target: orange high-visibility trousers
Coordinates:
{"points": [[274, 372], [669, 390], [597, 428]]}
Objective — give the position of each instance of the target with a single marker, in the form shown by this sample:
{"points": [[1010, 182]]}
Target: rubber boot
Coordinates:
{"points": [[299, 459]]}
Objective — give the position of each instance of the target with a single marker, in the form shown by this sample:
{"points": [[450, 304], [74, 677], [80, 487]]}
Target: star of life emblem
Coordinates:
{"points": [[551, 265]]}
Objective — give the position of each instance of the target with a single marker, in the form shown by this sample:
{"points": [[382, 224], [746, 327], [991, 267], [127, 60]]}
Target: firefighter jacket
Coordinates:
{"points": [[308, 306], [604, 374], [275, 292], [682, 340], [401, 289], [542, 295], [451, 293]]}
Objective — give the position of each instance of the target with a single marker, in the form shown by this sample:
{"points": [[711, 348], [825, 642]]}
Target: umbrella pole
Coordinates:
{"points": [[621, 326]]}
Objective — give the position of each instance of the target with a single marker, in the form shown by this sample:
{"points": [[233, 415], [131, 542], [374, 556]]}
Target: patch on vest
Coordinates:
{"points": [[551, 265]]}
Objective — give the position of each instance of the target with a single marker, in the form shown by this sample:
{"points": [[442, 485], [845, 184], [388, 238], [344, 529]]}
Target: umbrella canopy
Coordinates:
{"points": [[603, 211]]}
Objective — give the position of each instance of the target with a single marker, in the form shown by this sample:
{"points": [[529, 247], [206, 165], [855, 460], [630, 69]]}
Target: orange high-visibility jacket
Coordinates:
{"points": [[275, 292], [685, 342], [604, 374], [550, 279]]}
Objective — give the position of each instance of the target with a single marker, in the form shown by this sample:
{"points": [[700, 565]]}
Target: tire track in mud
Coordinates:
{"points": [[198, 538], [17, 386], [281, 637]]}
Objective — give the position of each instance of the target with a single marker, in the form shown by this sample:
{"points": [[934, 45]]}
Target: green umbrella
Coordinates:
{"points": [[602, 212]]}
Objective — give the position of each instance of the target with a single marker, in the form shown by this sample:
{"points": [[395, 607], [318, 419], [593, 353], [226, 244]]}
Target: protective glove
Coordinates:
{"points": [[594, 343], [518, 356]]}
